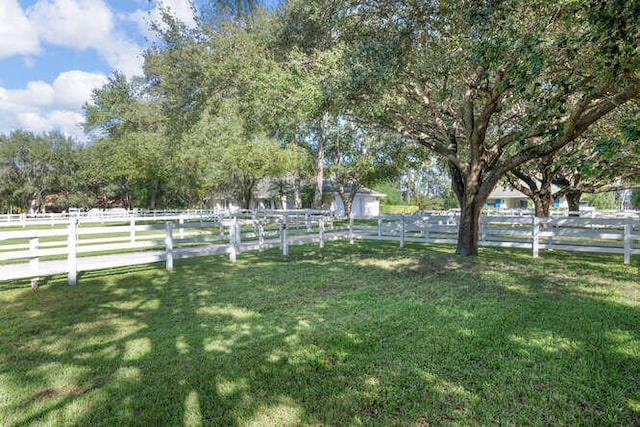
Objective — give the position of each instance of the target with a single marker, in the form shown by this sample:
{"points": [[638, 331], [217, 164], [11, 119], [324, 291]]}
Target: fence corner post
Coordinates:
{"points": [[321, 229], [72, 256], [168, 242], [379, 226], [535, 244]]}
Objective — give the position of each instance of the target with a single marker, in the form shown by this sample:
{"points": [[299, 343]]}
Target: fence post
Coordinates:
{"points": [[168, 242], [307, 219], [535, 236], [220, 219], [627, 242], [483, 232], [72, 247], [425, 229], [379, 226], [34, 262], [284, 238], [402, 231], [132, 230], [321, 227], [238, 239], [181, 222], [260, 235], [233, 235], [351, 228]]}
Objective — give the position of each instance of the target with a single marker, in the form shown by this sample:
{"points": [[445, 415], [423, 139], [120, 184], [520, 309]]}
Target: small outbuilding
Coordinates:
{"points": [[366, 203]]}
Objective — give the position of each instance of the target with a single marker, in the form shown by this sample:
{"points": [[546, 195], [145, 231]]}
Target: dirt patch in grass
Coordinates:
{"points": [[57, 392]]}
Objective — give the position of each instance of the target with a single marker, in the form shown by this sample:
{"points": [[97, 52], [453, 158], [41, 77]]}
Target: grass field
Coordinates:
{"points": [[365, 334]]}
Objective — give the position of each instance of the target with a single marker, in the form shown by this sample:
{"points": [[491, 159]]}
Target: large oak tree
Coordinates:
{"points": [[488, 85]]}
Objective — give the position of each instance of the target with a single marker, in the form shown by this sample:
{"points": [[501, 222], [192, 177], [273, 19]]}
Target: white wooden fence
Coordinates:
{"points": [[76, 247], [577, 234], [73, 248]]}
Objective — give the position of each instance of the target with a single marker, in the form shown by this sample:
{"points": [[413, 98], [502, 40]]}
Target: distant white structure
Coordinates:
{"points": [[508, 198], [366, 203]]}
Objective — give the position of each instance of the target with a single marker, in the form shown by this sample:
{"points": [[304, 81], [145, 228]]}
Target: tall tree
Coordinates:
{"points": [[135, 150], [360, 157], [226, 69], [32, 166], [487, 85]]}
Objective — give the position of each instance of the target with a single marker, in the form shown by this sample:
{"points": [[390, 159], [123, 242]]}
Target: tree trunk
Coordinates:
{"points": [[317, 198], [469, 228], [573, 200], [246, 192], [153, 187], [297, 198], [471, 192], [541, 205], [348, 204]]}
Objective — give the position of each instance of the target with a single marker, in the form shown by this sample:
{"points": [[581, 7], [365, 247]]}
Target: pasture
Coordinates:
{"points": [[366, 334]]}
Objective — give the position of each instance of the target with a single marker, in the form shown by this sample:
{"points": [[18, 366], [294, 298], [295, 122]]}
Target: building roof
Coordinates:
{"points": [[502, 192], [327, 187]]}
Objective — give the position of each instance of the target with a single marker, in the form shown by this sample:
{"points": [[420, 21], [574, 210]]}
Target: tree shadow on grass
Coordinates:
{"points": [[374, 335]]}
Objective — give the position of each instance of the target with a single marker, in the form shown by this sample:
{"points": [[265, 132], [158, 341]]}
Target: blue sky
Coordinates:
{"points": [[53, 53]]}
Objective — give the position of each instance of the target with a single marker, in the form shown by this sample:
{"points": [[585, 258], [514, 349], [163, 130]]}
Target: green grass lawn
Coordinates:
{"points": [[366, 334]]}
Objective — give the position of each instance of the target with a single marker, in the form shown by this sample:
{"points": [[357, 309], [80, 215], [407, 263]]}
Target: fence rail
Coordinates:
{"points": [[33, 252]]}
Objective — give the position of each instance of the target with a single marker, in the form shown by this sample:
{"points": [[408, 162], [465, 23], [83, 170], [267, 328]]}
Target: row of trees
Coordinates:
{"points": [[224, 106], [532, 92]]}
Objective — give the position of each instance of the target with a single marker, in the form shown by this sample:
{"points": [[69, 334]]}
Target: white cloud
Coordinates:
{"points": [[123, 55], [86, 24], [73, 88], [76, 24], [82, 25], [79, 24], [17, 33], [42, 106], [180, 9]]}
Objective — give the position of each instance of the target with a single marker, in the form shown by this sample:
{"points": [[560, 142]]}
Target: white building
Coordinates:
{"points": [[365, 203], [508, 198]]}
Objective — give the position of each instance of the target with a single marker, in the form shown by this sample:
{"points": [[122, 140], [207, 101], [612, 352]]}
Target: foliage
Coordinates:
{"points": [[635, 199], [393, 194], [33, 166], [388, 209], [220, 85], [358, 157], [603, 201], [604, 160], [134, 152], [351, 334]]}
